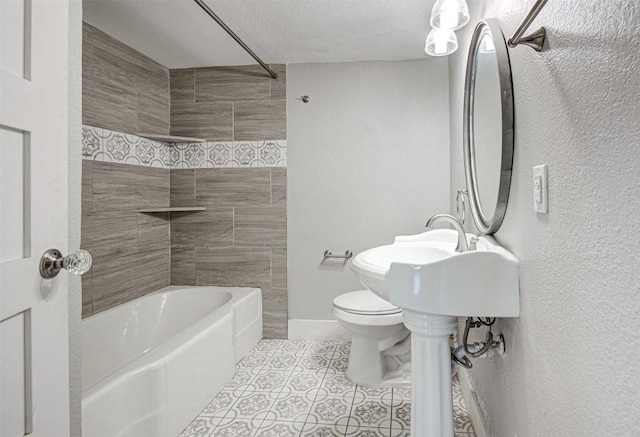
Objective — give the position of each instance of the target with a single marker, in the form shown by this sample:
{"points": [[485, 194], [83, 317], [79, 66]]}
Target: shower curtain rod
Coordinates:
{"points": [[231, 33]]}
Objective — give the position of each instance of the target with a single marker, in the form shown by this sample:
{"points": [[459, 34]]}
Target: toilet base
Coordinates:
{"points": [[380, 342], [373, 363]]}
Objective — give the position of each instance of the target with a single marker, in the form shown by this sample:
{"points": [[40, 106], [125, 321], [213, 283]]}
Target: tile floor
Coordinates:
{"points": [[299, 389]]}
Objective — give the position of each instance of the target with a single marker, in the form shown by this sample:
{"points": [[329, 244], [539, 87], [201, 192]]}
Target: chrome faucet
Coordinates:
{"points": [[462, 238]]}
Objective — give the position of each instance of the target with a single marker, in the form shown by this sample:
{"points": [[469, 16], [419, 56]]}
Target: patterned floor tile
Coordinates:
{"points": [[291, 408], [339, 364], [402, 393], [240, 380], [383, 394], [299, 389], [400, 432], [401, 415], [330, 410], [374, 392], [297, 353], [323, 430], [314, 362], [201, 427], [461, 421], [342, 350], [370, 413], [292, 346], [251, 405], [252, 363], [271, 428], [326, 351], [286, 361], [236, 428], [322, 348], [359, 431], [269, 380], [220, 405], [337, 384], [307, 383], [268, 346]]}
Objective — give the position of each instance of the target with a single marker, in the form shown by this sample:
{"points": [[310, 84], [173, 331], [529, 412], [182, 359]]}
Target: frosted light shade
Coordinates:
{"points": [[441, 42], [449, 14]]}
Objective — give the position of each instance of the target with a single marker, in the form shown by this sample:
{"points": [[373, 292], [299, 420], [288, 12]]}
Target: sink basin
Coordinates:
{"points": [[434, 284], [425, 274]]}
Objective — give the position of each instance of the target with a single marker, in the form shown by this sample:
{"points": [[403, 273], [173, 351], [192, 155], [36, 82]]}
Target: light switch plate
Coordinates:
{"points": [[540, 189]]}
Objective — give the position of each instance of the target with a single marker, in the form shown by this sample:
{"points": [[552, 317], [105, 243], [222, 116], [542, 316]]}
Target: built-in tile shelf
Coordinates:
{"points": [[173, 209], [173, 138]]}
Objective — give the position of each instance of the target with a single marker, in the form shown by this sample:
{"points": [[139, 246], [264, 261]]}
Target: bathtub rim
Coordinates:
{"points": [[172, 344]]}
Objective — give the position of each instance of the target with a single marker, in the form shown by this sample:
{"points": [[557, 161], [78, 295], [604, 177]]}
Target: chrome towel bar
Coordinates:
{"points": [[348, 254]]}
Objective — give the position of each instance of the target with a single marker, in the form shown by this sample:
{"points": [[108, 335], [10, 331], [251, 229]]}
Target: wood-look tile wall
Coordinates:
{"points": [[122, 89], [131, 250], [240, 240], [229, 103]]}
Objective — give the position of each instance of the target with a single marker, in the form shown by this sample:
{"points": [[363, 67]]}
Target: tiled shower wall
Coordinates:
{"points": [[131, 251], [229, 103], [239, 176], [122, 90], [240, 239]]}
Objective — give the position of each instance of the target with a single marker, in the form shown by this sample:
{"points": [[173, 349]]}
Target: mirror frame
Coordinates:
{"points": [[488, 225]]}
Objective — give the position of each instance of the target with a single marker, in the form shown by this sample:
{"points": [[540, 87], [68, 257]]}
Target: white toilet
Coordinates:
{"points": [[380, 343]]}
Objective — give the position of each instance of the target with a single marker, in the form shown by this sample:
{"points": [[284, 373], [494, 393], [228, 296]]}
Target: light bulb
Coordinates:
{"points": [[441, 42], [449, 19], [441, 46], [449, 14]]}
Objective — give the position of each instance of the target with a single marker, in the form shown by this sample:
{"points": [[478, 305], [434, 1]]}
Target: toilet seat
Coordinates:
{"points": [[364, 303], [368, 319]]}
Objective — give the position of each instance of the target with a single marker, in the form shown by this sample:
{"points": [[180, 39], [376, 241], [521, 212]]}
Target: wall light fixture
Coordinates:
{"points": [[441, 42], [446, 16], [449, 14]]}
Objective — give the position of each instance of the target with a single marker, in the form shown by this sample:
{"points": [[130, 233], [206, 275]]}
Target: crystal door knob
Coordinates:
{"points": [[52, 261]]}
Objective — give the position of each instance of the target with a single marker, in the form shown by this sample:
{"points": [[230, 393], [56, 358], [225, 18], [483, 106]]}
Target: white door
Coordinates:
{"points": [[34, 340]]}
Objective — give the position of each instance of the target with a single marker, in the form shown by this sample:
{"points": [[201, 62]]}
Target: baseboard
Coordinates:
{"points": [[473, 407], [319, 330]]}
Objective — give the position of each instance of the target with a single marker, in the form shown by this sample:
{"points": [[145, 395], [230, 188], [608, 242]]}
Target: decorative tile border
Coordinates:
{"points": [[110, 146]]}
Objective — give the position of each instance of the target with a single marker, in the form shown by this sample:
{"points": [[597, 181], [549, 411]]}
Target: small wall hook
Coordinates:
{"points": [[305, 99]]}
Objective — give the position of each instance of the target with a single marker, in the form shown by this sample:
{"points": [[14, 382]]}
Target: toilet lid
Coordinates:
{"points": [[364, 302]]}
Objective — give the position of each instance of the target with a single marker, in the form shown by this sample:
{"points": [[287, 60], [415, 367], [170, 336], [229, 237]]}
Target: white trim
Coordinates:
{"points": [[473, 406], [320, 330]]}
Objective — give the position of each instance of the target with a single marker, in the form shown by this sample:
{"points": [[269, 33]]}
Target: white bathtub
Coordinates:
{"points": [[149, 366]]}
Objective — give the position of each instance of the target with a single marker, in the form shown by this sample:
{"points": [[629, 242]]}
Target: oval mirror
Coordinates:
{"points": [[488, 126]]}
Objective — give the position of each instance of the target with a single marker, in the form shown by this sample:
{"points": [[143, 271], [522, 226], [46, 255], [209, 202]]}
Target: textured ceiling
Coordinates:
{"points": [[178, 34]]}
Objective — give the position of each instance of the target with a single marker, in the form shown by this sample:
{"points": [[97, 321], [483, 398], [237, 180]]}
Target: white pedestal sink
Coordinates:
{"points": [[434, 285]]}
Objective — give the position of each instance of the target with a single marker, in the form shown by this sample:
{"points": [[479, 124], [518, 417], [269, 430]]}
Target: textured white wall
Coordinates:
{"points": [[368, 159], [572, 362]]}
